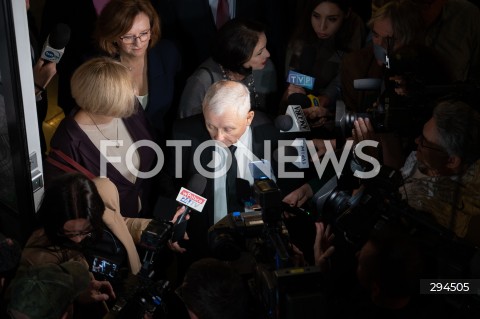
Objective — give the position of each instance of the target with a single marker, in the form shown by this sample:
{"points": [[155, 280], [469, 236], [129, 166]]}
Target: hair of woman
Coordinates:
{"points": [[234, 44]]}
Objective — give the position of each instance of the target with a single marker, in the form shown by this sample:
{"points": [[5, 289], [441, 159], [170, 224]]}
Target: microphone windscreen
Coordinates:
{"points": [[307, 60], [284, 122], [299, 99], [197, 184], [59, 36]]}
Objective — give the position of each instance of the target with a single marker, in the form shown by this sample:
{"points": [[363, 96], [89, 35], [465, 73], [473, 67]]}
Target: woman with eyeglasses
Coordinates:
{"points": [[79, 219], [129, 31]]}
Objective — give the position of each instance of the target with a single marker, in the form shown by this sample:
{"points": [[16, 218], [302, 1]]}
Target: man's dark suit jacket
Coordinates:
{"points": [[193, 129]]}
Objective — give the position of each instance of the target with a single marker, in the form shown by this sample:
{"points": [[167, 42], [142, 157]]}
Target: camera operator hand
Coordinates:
{"points": [[97, 291], [400, 84], [174, 245], [323, 247], [299, 196], [363, 130], [317, 115]]}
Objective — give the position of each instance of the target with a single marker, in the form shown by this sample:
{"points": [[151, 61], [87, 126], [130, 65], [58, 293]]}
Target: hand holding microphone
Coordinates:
{"points": [[44, 70], [191, 201]]}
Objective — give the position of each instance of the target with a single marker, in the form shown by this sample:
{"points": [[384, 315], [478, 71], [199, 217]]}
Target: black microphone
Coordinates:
{"points": [[191, 199], [299, 99], [293, 121], [56, 42], [302, 76]]}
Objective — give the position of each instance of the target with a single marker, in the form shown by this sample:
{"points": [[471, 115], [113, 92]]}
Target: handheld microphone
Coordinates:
{"points": [[296, 150], [294, 120], [305, 101], [300, 79], [191, 200], [301, 75], [367, 84], [54, 46]]}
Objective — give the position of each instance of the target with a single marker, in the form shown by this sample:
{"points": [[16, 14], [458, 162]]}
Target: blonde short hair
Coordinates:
{"points": [[104, 86], [226, 94]]}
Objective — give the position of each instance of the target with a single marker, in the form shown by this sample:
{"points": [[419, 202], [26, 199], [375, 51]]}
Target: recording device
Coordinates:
{"points": [[261, 238], [143, 296], [293, 121], [56, 42], [301, 75], [367, 84], [191, 200]]}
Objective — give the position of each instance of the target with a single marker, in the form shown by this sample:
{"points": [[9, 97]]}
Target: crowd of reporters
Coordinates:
{"points": [[370, 242]]}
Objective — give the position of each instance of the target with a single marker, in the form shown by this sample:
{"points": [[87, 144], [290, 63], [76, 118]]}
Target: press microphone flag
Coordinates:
{"points": [[294, 120], [56, 42], [300, 79]]}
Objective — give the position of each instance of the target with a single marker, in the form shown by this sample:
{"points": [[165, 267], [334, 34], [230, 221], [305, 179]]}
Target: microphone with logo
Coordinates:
{"points": [[299, 77], [56, 42], [293, 121], [192, 200]]}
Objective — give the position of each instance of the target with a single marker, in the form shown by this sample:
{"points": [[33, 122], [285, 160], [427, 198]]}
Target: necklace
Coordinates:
{"points": [[117, 144], [250, 83]]}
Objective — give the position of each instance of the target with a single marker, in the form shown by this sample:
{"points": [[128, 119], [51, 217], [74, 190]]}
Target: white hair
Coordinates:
{"points": [[227, 95]]}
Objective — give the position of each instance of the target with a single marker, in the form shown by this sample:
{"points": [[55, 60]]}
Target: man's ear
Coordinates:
{"points": [[250, 116], [454, 162]]}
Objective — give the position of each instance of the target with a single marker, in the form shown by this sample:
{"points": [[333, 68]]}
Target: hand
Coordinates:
{"points": [[176, 246], [178, 213], [97, 291], [43, 72], [292, 88], [299, 196], [400, 84], [323, 248], [363, 130]]}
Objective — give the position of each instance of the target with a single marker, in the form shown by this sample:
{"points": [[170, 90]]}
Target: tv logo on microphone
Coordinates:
{"points": [[301, 119], [300, 79], [190, 199]]}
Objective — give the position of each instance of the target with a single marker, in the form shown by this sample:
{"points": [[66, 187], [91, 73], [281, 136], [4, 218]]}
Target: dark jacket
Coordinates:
{"points": [[73, 141]]}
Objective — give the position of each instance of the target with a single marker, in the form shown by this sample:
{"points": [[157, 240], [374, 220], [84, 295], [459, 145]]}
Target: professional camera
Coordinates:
{"points": [[258, 245], [143, 296]]}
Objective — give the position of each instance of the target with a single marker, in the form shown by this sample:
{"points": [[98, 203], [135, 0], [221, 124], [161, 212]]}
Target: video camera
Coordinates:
{"points": [[258, 243]]}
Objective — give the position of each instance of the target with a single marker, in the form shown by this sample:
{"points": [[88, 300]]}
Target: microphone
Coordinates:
{"points": [[56, 42], [305, 101], [367, 84], [191, 200], [296, 150], [294, 120], [300, 76]]}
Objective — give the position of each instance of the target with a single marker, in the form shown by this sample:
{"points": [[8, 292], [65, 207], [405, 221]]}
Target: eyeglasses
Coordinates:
{"points": [[131, 39], [85, 233], [421, 142]]}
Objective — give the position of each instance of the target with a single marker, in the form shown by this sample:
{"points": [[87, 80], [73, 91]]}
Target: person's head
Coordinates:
{"points": [[241, 46], [226, 109], [390, 265], [129, 26], [212, 289], [47, 291], [395, 24], [71, 209], [450, 140], [327, 16], [431, 9], [103, 86]]}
